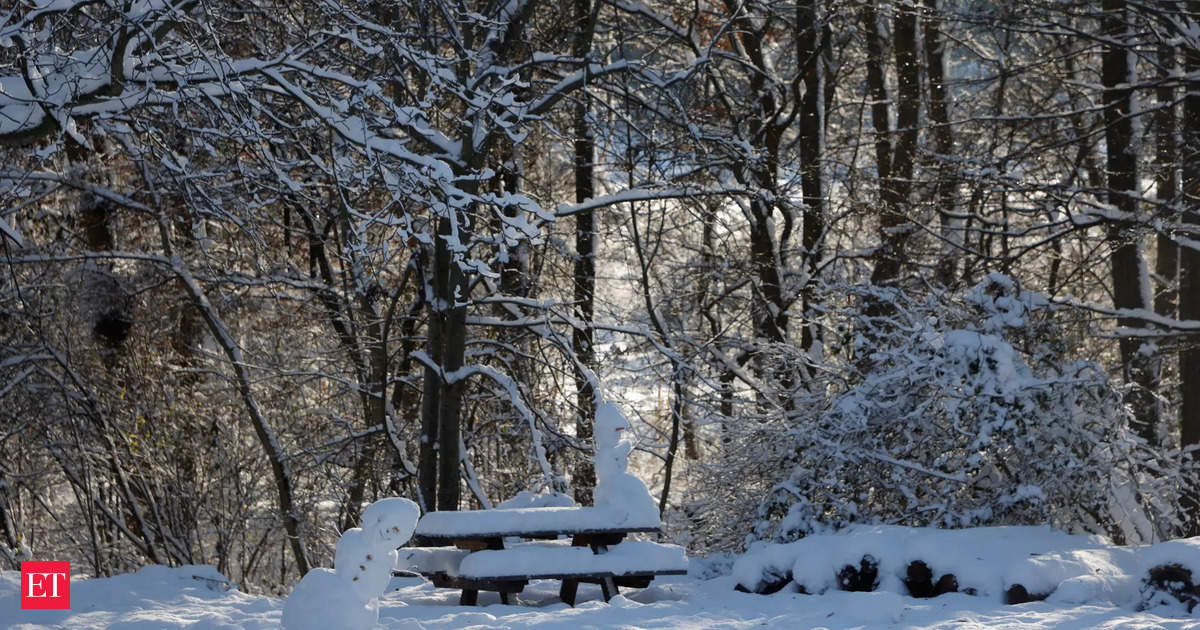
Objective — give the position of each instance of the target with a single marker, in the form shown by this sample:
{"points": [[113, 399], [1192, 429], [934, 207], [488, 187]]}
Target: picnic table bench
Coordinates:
{"points": [[482, 550]]}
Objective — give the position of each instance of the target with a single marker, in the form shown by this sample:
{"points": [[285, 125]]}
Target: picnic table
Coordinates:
{"points": [[490, 550]]}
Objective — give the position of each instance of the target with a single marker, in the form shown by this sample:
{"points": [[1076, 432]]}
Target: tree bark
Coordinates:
{"points": [[431, 389], [877, 90], [449, 287], [583, 480], [946, 269], [1130, 277], [809, 47], [1166, 125], [897, 183]]}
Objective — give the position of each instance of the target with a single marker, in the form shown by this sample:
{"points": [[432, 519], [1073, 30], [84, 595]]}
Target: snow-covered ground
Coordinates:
{"points": [[166, 599], [198, 598]]}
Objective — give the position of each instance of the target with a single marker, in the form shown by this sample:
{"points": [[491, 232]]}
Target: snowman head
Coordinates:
{"points": [[390, 522], [611, 427]]}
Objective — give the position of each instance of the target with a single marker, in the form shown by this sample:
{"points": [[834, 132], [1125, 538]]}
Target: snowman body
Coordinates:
{"points": [[347, 597], [616, 488]]}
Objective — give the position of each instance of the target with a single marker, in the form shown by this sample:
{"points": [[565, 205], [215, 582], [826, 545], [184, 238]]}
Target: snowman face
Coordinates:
{"points": [[390, 522], [391, 534]]}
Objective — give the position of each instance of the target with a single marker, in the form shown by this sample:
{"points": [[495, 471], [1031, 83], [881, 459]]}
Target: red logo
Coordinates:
{"points": [[46, 585]]}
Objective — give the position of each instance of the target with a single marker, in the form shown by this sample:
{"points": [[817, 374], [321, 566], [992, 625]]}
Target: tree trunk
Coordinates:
{"points": [[450, 413], [943, 137], [584, 274], [877, 89], [431, 389], [449, 288], [893, 222], [1130, 278], [771, 319], [809, 46], [375, 408], [1166, 125]]}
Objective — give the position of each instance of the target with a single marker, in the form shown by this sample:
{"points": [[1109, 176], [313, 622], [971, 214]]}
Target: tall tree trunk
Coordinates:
{"points": [[771, 319], [883, 260], [1166, 123], [809, 47], [893, 222], [1130, 277], [375, 408], [449, 288], [877, 91], [431, 387], [583, 480], [943, 137]]}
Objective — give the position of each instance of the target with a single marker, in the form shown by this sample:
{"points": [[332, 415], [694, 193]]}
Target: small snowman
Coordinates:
{"points": [[347, 597], [616, 488]]}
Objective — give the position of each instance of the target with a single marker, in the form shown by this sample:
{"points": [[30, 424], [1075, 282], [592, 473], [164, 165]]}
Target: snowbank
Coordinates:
{"points": [[193, 598], [163, 598], [1012, 564]]}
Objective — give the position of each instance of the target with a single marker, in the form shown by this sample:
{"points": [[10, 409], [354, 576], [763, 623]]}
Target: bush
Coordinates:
{"points": [[964, 411]]}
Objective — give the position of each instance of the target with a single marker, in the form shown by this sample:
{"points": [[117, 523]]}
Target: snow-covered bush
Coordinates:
{"points": [[965, 410]]}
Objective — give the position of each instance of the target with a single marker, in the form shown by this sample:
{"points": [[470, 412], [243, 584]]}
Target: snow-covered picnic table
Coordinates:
{"points": [[486, 550]]}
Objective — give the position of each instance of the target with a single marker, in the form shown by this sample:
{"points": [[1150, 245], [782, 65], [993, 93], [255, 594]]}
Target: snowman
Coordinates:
{"points": [[347, 597], [616, 488]]}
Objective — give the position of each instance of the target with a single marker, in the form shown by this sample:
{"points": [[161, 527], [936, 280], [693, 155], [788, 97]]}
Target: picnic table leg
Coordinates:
{"points": [[609, 587], [505, 597], [469, 597], [567, 592]]}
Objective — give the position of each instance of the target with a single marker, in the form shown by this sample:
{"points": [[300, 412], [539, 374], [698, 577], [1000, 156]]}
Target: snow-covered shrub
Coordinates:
{"points": [[1169, 585], [965, 410], [1168, 580], [747, 447]]}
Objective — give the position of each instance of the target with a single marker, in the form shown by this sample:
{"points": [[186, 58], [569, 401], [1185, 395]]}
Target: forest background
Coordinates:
{"points": [[265, 261]]}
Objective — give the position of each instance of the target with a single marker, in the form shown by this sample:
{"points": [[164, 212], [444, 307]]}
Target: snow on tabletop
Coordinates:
{"points": [[526, 499], [550, 559], [516, 521]]}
